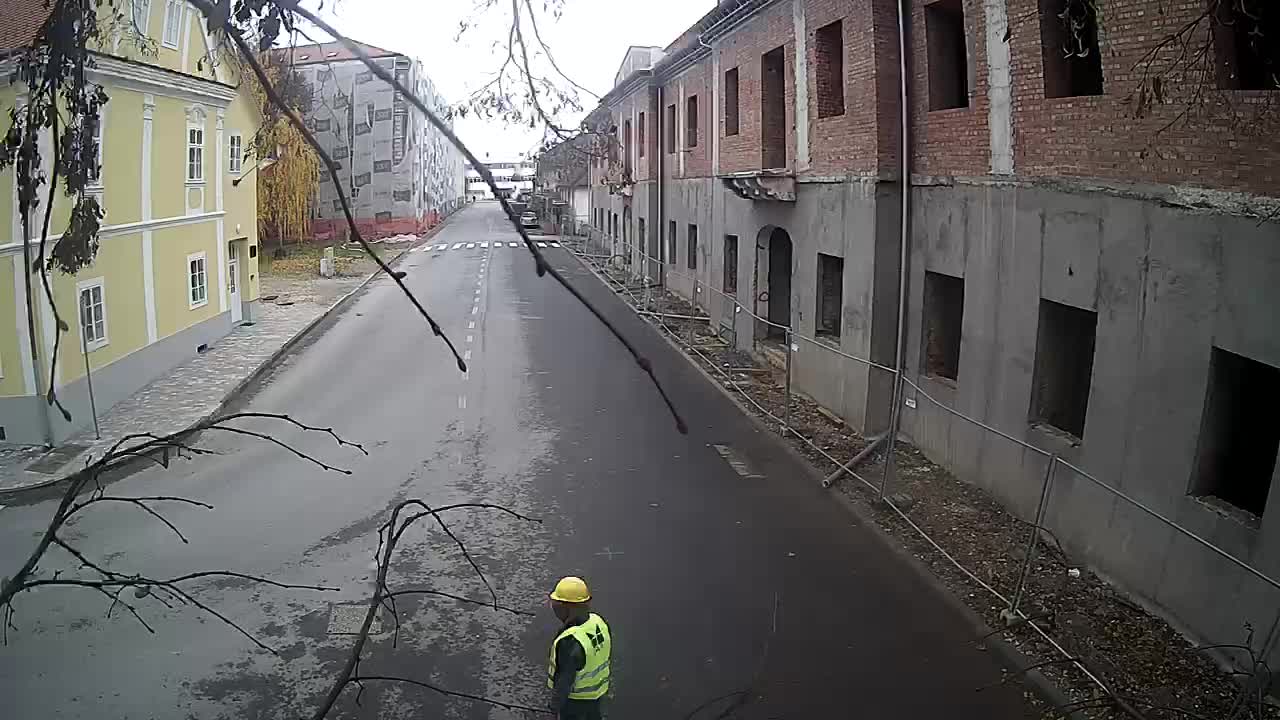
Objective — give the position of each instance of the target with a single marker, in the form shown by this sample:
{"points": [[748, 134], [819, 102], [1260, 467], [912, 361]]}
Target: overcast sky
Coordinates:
{"points": [[588, 42]]}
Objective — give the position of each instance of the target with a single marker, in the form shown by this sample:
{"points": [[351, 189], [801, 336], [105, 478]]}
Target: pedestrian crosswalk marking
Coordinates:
{"points": [[472, 245]]}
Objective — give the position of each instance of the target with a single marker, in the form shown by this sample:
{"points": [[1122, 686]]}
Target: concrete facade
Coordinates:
{"points": [[1026, 215], [403, 175]]}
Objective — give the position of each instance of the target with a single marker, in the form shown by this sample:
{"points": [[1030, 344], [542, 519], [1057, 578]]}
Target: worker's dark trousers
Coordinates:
{"points": [[581, 710]]}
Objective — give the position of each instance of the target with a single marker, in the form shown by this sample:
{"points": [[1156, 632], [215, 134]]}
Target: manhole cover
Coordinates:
{"points": [[52, 461], [347, 619]]}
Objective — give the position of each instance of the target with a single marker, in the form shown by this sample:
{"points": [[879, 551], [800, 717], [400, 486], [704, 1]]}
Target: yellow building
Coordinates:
{"points": [[177, 265]]}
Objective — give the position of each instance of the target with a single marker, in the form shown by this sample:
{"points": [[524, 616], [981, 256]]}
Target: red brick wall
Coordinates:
{"points": [[695, 81], [1099, 136], [864, 138], [955, 141], [743, 49]]}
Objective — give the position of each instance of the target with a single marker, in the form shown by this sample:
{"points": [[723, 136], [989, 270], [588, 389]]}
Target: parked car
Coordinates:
{"points": [[529, 220]]}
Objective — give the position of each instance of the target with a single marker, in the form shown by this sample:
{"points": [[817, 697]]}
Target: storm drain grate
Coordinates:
{"points": [[51, 462], [736, 462], [347, 619]]}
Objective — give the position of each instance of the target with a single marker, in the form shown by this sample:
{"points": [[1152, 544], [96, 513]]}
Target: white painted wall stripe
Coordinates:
{"points": [[148, 255], [801, 85], [220, 223]]}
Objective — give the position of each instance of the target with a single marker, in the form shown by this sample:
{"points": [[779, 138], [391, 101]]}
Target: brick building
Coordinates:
{"points": [[1081, 275], [402, 175]]}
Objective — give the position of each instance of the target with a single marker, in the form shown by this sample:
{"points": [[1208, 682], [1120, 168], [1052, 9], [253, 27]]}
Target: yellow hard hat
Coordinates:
{"points": [[571, 590]]}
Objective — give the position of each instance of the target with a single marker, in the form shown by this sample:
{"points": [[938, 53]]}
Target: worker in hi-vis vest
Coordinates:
{"points": [[578, 667]]}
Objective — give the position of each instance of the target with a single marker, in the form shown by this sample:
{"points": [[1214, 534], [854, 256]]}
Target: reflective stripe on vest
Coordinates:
{"points": [[592, 681]]}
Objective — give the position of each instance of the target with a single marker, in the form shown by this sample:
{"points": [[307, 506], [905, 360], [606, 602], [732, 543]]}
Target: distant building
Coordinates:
{"points": [[564, 176], [514, 179], [400, 173]]}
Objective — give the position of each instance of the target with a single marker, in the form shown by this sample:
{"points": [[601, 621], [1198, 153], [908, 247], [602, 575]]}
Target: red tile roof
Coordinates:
{"points": [[329, 52], [20, 20]]}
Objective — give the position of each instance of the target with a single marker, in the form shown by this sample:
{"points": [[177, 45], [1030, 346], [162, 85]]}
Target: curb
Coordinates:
{"points": [[1009, 656], [129, 466]]}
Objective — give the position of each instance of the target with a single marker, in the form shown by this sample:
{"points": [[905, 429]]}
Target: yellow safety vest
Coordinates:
{"points": [[592, 681]]}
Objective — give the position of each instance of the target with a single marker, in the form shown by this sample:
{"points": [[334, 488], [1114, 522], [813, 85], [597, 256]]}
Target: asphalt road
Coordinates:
{"points": [[713, 581]]}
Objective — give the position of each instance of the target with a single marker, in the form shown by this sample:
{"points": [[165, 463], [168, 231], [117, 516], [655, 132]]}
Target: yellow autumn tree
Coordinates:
{"points": [[286, 188]]}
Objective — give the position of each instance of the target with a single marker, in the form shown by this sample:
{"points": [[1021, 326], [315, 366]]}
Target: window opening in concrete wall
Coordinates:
{"points": [[730, 264], [1247, 36], [671, 128], [691, 121], [626, 147], [948, 60], [692, 260], [829, 56], [773, 109], [671, 242], [1069, 45], [830, 294], [1064, 366], [731, 101], [1236, 454], [943, 316], [641, 236], [640, 135]]}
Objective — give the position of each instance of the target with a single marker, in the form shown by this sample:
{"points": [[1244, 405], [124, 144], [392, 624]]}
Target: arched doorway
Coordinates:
{"points": [[773, 281]]}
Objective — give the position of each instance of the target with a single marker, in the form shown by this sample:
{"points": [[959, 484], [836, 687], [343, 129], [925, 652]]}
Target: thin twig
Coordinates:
{"points": [[449, 693]]}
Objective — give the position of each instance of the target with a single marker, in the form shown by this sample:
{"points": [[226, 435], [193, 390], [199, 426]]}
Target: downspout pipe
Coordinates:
{"points": [[661, 153], [904, 99]]}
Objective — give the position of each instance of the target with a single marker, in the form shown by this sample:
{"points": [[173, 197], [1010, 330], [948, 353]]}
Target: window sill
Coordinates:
{"points": [[97, 345], [829, 339], [1224, 509], [195, 183], [941, 380], [173, 46], [197, 306], [1060, 440], [95, 189]]}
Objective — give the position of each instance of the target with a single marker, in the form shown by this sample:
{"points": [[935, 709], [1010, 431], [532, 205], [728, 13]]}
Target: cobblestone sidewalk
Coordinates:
{"points": [[196, 388]]}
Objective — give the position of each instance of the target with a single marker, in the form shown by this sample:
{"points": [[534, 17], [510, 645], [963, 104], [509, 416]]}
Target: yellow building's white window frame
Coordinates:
{"points": [[99, 139], [235, 151], [91, 306], [195, 154], [140, 13], [174, 11], [197, 280]]}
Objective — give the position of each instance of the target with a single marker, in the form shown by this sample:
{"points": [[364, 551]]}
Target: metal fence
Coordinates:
{"points": [[1013, 580]]}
